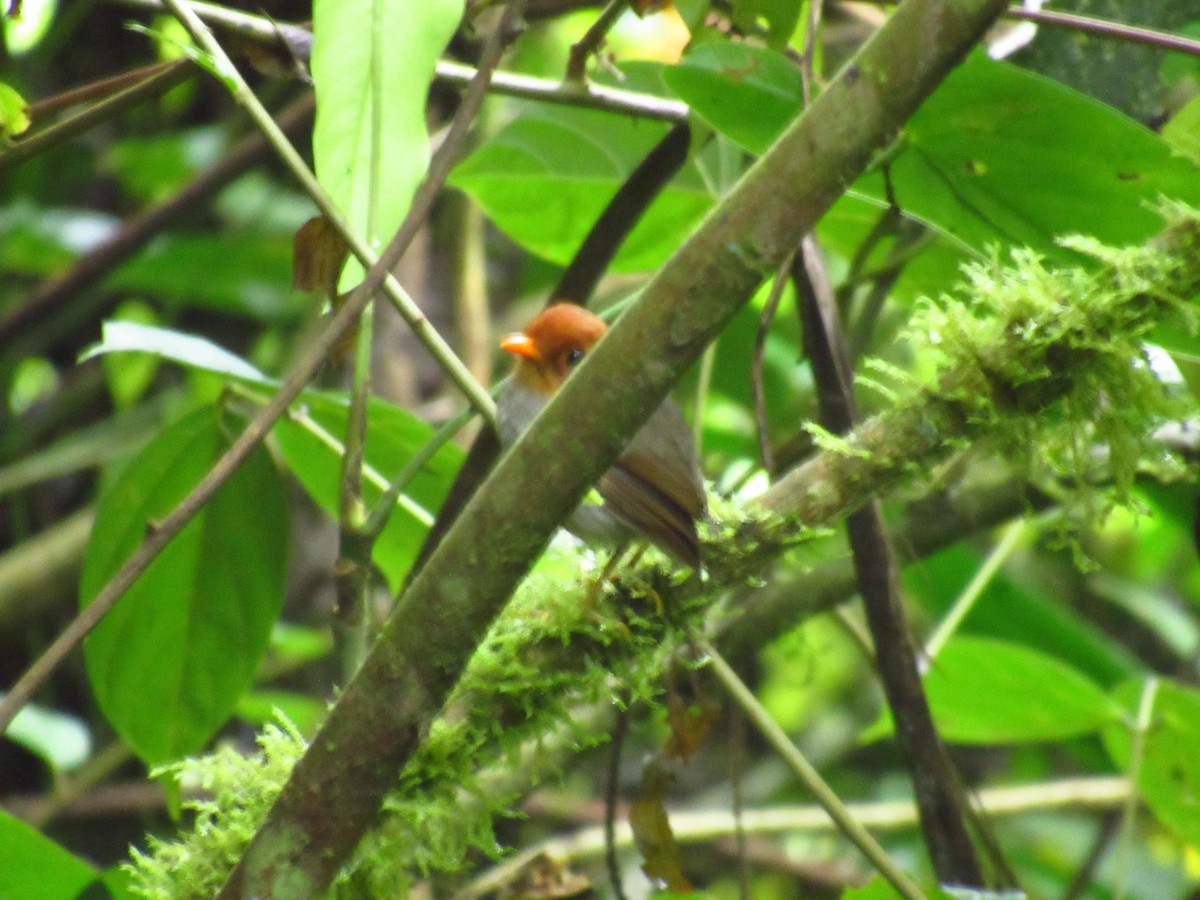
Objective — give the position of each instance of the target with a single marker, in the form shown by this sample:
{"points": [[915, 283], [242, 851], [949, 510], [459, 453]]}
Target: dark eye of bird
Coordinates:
{"points": [[574, 355]]}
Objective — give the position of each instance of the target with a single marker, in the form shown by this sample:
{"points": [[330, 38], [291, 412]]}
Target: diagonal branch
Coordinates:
{"points": [[379, 723]]}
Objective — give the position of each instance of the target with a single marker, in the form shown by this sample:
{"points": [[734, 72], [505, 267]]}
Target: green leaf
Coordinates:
{"points": [[1023, 612], [14, 111], [747, 93], [1169, 776], [62, 740], [170, 661], [262, 707], [372, 63], [778, 17], [128, 376], [164, 343], [249, 275], [1183, 130], [984, 691], [393, 437], [999, 155], [573, 161], [36, 868]]}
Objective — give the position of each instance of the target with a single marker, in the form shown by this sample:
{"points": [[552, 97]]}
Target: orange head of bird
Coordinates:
{"points": [[552, 344]]}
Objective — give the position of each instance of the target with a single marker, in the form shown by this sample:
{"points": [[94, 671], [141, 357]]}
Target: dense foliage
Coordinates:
{"points": [[1014, 277]]}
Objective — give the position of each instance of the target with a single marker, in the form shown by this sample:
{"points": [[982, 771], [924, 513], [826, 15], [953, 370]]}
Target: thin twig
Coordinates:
{"points": [[758, 396], [99, 89], [511, 84], [471, 310], [936, 784], [808, 56], [418, 211], [593, 39], [809, 777], [588, 96], [155, 81], [1137, 754], [695, 826], [1132, 34], [972, 592], [352, 572], [612, 794], [1108, 829], [383, 509]]}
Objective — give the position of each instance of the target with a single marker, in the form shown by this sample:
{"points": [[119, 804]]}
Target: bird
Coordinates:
{"points": [[654, 490]]}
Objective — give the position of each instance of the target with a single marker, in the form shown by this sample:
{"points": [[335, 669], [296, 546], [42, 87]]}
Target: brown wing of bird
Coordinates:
{"points": [[656, 486]]}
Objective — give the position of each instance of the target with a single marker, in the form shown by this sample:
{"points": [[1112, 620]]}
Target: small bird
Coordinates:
{"points": [[654, 489]]}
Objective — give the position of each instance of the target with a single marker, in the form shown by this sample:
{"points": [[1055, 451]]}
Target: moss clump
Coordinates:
{"points": [[1051, 364]]}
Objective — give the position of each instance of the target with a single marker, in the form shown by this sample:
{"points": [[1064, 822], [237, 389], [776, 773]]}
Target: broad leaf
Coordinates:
{"points": [[372, 64], [185, 349], [745, 92], [169, 663], [997, 155], [573, 161], [62, 740], [393, 437], [36, 868], [984, 691], [987, 692], [1169, 775]]}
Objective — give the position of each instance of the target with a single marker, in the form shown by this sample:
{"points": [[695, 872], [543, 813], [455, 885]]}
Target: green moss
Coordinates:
{"points": [[1046, 363]]}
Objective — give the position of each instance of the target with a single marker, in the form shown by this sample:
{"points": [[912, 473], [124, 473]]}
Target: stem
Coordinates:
{"points": [[511, 84], [703, 826], [153, 82], [1137, 753], [972, 592], [399, 298], [592, 39], [808, 775]]}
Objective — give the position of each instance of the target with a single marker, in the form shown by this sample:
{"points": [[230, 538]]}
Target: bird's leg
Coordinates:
{"points": [[597, 585]]}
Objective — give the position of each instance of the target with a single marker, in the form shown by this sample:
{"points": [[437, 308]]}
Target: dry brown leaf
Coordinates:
{"points": [[652, 830], [690, 725]]}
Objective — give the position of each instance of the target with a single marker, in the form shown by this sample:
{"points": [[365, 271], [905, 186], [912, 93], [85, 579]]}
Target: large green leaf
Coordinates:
{"points": [[983, 691], [989, 692], [997, 155], [745, 92], [393, 437], [36, 868], [249, 274], [372, 63], [170, 661], [1020, 612], [546, 176], [1169, 775]]}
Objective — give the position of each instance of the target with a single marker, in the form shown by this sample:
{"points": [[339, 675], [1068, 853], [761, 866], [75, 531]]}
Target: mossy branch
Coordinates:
{"points": [[1037, 355], [386, 712]]}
